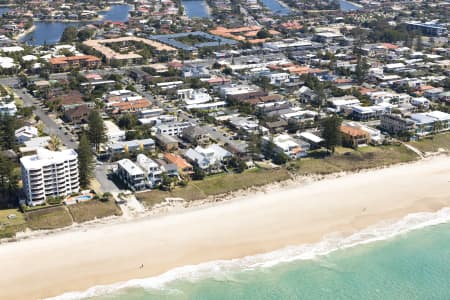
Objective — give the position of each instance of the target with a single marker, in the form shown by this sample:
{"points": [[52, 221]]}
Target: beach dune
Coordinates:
{"points": [[75, 260]]}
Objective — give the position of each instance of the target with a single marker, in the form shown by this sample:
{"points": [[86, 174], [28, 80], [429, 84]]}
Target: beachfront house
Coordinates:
{"points": [[130, 175], [151, 168], [209, 159]]}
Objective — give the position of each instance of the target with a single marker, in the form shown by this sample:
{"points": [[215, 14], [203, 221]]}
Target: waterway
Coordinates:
{"points": [[3, 10], [276, 7], [348, 6], [196, 8], [50, 32]]}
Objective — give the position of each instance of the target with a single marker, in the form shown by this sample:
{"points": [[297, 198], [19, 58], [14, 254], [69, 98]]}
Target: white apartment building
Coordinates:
{"points": [[49, 174], [172, 129]]}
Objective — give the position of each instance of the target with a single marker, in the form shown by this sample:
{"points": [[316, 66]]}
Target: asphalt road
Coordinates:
{"points": [[52, 128]]}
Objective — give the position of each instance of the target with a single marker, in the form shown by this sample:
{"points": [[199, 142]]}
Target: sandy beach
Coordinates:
{"points": [[266, 221]]}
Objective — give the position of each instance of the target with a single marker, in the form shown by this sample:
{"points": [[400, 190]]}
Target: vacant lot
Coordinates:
{"points": [[353, 160], [223, 183], [49, 218], [433, 144], [9, 226], [95, 209], [216, 184]]}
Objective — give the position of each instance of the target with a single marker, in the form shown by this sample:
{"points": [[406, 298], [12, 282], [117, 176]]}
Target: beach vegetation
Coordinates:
{"points": [[216, 185], [434, 143], [48, 218], [352, 160], [94, 209], [11, 221]]}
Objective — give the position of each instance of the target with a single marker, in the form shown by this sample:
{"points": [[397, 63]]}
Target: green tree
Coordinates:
{"points": [[8, 178], [96, 130], [7, 132], [84, 34], [263, 34], [69, 35], [361, 69], [280, 158], [331, 132], [199, 174], [254, 146], [54, 143], [85, 161]]}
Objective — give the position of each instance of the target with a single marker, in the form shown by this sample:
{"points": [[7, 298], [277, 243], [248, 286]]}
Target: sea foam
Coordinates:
{"points": [[224, 269]]}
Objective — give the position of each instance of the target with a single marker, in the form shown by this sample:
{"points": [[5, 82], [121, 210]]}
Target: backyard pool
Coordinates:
{"points": [[84, 198]]}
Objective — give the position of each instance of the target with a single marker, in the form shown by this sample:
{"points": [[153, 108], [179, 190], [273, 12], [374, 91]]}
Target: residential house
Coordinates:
{"points": [[209, 159], [132, 146], [286, 144], [396, 124], [113, 132], [196, 135], [166, 142], [26, 133], [173, 128], [78, 114], [183, 166], [151, 169], [131, 175], [353, 136]]}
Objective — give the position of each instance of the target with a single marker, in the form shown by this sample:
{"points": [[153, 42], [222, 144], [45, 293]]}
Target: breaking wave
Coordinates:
{"points": [[224, 269]]}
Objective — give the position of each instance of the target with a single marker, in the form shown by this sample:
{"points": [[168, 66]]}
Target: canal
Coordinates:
{"points": [[196, 8], [276, 7], [50, 32]]}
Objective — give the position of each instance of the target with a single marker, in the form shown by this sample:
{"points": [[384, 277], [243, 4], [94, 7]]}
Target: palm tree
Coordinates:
{"points": [[54, 143]]}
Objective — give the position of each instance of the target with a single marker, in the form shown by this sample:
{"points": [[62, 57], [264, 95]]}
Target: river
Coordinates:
{"points": [[50, 32]]}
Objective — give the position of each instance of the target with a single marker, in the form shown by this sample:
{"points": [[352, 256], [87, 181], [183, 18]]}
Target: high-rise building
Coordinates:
{"points": [[49, 174]]}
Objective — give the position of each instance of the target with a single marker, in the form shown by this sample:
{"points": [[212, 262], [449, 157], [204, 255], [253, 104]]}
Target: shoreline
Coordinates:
{"points": [[273, 218], [21, 35]]}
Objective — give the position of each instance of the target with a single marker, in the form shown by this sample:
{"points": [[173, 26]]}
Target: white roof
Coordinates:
{"points": [[12, 49], [311, 137], [45, 157], [131, 168], [441, 116], [29, 58], [6, 62]]}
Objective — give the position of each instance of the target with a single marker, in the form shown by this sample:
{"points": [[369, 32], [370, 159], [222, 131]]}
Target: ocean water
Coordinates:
{"points": [[408, 259]]}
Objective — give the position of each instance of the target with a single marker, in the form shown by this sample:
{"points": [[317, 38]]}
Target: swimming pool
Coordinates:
{"points": [[84, 198]]}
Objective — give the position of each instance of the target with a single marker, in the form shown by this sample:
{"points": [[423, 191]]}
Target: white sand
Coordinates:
{"points": [[76, 260]]}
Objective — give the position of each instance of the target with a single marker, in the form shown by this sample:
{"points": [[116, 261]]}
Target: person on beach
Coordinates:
{"points": [[142, 266]]}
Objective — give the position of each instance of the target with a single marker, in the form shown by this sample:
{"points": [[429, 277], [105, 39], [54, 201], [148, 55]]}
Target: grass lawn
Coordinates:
{"points": [[94, 209], [9, 227], [430, 144], [346, 159], [49, 218], [216, 184]]}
